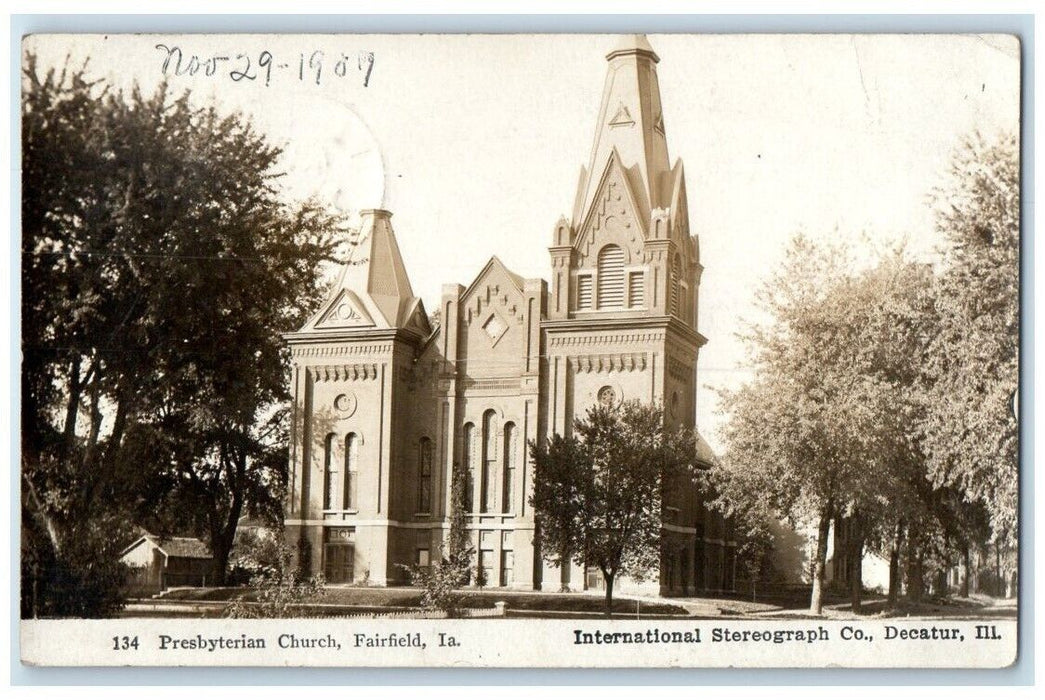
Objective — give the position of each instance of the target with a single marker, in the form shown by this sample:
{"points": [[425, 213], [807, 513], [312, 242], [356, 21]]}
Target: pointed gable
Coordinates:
{"points": [[679, 207], [495, 285], [373, 289], [614, 215], [345, 310]]}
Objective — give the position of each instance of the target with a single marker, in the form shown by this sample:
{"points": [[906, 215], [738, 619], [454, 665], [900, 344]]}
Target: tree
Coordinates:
{"points": [[806, 430], [972, 373], [731, 493], [140, 408], [597, 495], [441, 580], [887, 311]]}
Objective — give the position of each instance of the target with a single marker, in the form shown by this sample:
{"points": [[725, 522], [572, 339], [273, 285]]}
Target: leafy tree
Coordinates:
{"points": [[886, 313], [805, 428], [972, 373], [597, 496], [442, 580], [731, 494], [277, 590], [137, 406]]}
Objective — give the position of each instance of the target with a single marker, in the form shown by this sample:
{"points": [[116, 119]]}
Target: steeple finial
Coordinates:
{"points": [[633, 43]]}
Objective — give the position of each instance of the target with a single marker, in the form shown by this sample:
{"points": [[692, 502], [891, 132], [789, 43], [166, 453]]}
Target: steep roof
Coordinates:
{"points": [[373, 289], [631, 122]]}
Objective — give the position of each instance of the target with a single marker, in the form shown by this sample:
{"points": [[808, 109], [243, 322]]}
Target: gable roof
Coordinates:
{"points": [[614, 173], [182, 547], [494, 264]]}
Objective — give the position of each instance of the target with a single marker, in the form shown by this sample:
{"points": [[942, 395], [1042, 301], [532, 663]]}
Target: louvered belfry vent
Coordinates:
{"points": [[635, 289], [584, 291], [611, 277]]}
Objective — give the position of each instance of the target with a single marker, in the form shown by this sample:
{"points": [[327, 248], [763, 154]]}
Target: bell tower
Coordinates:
{"points": [[626, 251], [625, 269], [622, 314]]}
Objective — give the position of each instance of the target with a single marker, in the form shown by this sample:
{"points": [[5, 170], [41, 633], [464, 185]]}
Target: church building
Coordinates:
{"points": [[389, 401]]}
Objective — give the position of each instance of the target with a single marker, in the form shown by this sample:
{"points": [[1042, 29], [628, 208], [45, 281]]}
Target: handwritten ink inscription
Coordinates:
{"points": [[265, 67]]}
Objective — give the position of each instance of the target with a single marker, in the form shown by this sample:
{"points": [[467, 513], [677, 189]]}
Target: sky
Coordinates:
{"points": [[475, 142]]}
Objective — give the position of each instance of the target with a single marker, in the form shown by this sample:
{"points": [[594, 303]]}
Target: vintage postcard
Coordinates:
{"points": [[520, 350]]}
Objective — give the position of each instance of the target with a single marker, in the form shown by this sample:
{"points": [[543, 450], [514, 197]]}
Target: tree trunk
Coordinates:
{"points": [[856, 562], [941, 583], [119, 425], [816, 602], [997, 569], [964, 591], [609, 593], [915, 576], [894, 566], [72, 409], [915, 583]]}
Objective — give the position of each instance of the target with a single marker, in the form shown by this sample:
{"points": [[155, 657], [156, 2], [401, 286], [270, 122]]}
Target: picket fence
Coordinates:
{"points": [[498, 610]]}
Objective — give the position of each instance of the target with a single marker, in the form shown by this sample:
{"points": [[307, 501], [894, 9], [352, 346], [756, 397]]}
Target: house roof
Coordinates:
{"points": [[705, 455], [183, 547], [186, 547]]}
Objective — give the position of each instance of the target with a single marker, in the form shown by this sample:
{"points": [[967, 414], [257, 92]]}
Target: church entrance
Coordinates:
{"points": [[339, 554]]}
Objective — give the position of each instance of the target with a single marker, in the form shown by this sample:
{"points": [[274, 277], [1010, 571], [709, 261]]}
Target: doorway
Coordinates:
{"points": [[339, 562]]}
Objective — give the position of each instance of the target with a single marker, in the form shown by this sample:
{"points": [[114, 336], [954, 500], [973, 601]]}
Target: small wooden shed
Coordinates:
{"points": [[158, 564]]}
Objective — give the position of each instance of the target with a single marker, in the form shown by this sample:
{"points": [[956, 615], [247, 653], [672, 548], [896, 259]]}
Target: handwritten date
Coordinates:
{"points": [[265, 68]]}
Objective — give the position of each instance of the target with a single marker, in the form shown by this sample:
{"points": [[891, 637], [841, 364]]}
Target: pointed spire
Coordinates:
{"points": [[630, 121], [373, 289]]}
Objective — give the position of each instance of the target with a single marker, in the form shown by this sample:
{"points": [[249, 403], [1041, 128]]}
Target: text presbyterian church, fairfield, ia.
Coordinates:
{"points": [[388, 402]]}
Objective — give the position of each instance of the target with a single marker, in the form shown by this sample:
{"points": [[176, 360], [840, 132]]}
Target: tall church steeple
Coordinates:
{"points": [[631, 123], [627, 250]]}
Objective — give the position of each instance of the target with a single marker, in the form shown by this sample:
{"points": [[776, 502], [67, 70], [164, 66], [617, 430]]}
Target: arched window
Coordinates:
{"points": [[676, 281], [469, 467], [329, 473], [611, 277], [510, 448], [486, 494], [424, 476], [351, 465]]}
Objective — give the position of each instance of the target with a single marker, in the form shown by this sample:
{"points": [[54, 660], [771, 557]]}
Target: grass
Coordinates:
{"points": [[378, 598]]}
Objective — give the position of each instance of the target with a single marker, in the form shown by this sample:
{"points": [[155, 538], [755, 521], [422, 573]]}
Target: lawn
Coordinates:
{"points": [[372, 599]]}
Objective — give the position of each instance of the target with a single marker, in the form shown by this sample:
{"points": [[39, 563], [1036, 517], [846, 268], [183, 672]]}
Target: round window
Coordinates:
{"points": [[346, 403]]}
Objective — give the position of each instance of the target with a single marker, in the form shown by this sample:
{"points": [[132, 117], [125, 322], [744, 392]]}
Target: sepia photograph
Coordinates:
{"points": [[520, 350]]}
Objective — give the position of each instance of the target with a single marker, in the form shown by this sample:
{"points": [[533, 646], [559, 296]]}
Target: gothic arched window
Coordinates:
{"points": [[424, 476], [469, 466], [351, 465], [508, 475], [489, 463], [611, 277], [329, 472]]}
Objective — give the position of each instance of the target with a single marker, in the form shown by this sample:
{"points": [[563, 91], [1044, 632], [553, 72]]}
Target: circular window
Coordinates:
{"points": [[607, 397], [346, 404]]}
